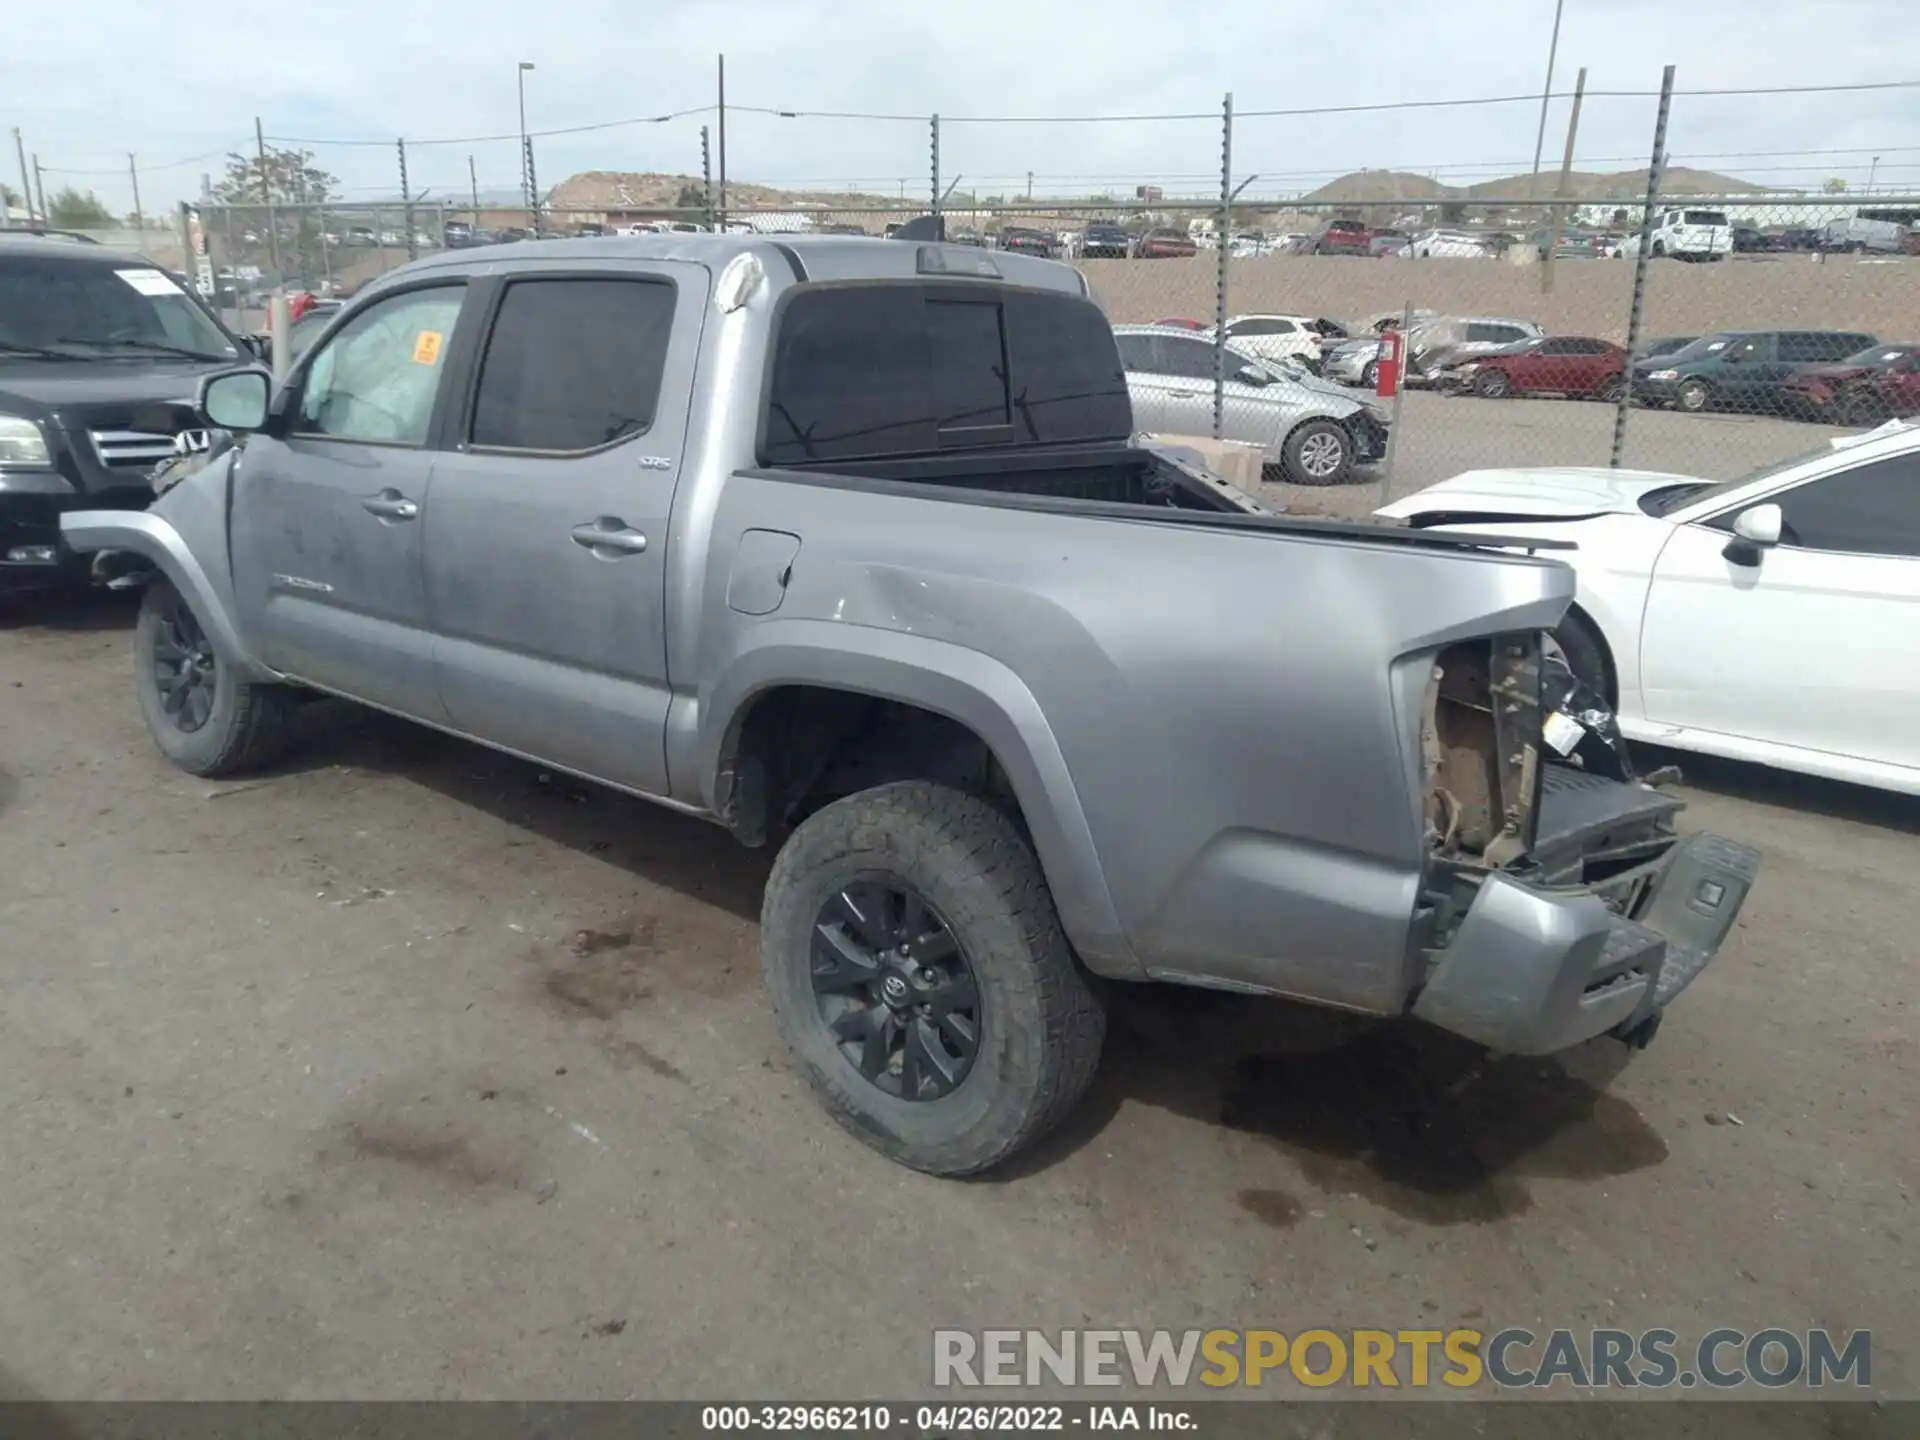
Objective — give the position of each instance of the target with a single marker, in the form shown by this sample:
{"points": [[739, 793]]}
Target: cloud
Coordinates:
{"points": [[368, 71]]}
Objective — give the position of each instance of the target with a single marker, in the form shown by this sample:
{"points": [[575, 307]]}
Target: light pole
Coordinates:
{"points": [[520, 80], [1546, 93], [1870, 173]]}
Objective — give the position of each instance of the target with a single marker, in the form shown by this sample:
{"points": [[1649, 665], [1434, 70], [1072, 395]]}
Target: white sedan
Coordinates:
{"points": [[1773, 619]]}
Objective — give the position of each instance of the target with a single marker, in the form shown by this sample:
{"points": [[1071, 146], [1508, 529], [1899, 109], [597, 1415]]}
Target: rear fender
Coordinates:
{"points": [[966, 686], [184, 536]]}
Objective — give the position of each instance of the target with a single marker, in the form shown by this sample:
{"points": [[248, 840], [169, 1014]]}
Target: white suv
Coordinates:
{"points": [[1686, 234], [1282, 337]]}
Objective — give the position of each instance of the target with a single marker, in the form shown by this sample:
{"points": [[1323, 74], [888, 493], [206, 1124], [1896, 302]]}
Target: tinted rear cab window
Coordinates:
{"points": [[870, 370]]}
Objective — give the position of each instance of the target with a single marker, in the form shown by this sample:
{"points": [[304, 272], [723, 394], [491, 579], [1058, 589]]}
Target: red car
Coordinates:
{"points": [[1344, 237], [1552, 364], [1184, 323], [1881, 382], [1163, 245]]}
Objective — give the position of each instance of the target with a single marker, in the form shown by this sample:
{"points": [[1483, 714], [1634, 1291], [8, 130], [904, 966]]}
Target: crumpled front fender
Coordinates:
{"points": [[184, 535]]}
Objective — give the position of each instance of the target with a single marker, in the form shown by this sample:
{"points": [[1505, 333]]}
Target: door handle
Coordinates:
{"points": [[1186, 394], [390, 505], [609, 533]]}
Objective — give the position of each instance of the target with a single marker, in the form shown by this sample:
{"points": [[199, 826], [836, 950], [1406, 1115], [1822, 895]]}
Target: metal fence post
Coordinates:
{"points": [[936, 165], [1641, 256], [1222, 228], [406, 202], [533, 190], [326, 252], [721, 213], [133, 174], [706, 177]]}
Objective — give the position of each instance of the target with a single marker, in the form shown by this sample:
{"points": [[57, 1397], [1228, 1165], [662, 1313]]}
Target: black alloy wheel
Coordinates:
{"points": [[184, 669], [895, 990]]}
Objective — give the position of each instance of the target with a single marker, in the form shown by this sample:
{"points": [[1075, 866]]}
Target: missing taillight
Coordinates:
{"points": [[1480, 747]]}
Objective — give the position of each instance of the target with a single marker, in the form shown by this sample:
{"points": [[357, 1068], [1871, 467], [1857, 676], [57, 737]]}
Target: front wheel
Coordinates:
{"points": [[205, 716], [1370, 376], [1611, 389], [1319, 452], [1492, 384], [1693, 397], [921, 979]]}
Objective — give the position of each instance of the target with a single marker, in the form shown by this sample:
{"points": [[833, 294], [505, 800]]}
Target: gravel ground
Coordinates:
{"points": [[406, 1071]]}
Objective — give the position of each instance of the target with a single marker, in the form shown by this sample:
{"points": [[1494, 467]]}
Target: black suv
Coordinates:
{"points": [[100, 354]]}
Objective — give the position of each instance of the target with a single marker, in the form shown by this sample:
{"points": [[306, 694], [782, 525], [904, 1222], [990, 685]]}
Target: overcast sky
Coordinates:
{"points": [[171, 83]]}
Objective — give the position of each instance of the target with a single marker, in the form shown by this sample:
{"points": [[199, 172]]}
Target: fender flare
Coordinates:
{"points": [[966, 686], [144, 533]]}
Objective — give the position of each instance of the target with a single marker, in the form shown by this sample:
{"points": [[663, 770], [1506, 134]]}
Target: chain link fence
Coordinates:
{"points": [[1537, 333]]}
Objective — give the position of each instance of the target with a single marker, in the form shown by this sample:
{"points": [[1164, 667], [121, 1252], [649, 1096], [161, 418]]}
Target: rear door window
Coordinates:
{"points": [[573, 364], [1186, 359]]}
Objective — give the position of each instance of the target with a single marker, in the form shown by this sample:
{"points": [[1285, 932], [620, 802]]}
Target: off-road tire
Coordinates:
{"points": [[1304, 436], [1041, 1018], [251, 723]]}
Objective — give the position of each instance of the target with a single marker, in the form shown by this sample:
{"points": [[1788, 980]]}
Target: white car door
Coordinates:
{"points": [[1813, 643]]}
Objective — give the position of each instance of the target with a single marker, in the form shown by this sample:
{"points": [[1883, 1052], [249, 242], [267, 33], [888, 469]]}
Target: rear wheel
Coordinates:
{"points": [[921, 979], [1319, 452], [1370, 376], [1861, 406], [205, 716], [1493, 384]]}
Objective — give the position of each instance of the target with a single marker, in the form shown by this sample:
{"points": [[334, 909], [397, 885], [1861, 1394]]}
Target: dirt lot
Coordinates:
{"points": [[404, 1071]]}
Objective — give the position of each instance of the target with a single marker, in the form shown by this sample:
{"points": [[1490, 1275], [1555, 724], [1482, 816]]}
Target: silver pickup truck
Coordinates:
{"points": [[844, 544]]}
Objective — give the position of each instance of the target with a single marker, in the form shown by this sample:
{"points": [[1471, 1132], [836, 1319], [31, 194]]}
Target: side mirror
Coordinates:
{"points": [[236, 399], [1755, 529], [1759, 524]]}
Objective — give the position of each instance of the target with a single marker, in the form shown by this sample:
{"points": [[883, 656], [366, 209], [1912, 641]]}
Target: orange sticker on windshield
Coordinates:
{"points": [[426, 347]]}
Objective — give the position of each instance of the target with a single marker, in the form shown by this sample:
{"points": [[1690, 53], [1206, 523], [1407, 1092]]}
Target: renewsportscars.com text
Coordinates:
{"points": [[1512, 1358]]}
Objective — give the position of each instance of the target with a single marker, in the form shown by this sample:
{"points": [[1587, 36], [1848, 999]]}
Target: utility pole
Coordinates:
{"points": [[1559, 225], [1546, 93], [266, 196], [723, 143], [133, 174], [473, 186], [40, 190], [1029, 187], [26, 186], [936, 167]]}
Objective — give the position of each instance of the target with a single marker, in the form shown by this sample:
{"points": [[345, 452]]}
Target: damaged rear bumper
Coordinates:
{"points": [[1532, 968]]}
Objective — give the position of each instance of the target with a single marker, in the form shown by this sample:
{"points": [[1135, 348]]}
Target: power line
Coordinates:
{"points": [[121, 170], [514, 136]]}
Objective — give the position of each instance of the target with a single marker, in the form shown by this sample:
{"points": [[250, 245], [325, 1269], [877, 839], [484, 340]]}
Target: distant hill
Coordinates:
{"points": [[1383, 185], [615, 190]]}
